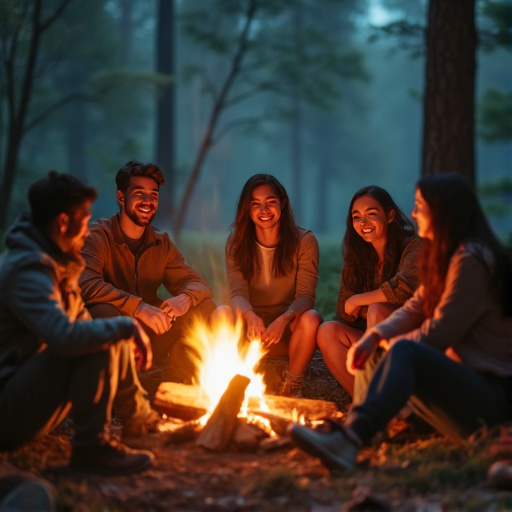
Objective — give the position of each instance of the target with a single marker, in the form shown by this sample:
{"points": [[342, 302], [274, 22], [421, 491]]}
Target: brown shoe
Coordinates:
{"points": [[109, 458]]}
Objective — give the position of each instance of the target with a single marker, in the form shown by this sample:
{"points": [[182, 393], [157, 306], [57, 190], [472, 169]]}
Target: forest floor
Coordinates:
{"points": [[413, 471]]}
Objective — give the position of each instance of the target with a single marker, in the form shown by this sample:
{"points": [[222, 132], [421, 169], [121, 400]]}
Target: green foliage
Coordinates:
{"points": [[496, 196], [495, 116], [494, 24], [276, 56]]}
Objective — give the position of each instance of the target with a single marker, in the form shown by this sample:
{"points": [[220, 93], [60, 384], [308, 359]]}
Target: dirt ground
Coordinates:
{"points": [[390, 476]]}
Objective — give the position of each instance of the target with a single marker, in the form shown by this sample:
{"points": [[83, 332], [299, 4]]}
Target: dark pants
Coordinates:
{"points": [[47, 387], [179, 359], [453, 398]]}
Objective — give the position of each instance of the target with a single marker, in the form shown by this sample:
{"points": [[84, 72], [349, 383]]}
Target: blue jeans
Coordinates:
{"points": [[453, 398]]}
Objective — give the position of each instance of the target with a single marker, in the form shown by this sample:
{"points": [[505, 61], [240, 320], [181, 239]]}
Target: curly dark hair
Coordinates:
{"points": [[360, 258], [135, 168], [242, 241], [458, 217]]}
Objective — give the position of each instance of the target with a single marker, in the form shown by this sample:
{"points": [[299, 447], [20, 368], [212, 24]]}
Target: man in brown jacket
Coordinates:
{"points": [[127, 261]]}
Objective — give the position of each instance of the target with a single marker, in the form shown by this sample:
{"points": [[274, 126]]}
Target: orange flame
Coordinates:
{"points": [[224, 356]]}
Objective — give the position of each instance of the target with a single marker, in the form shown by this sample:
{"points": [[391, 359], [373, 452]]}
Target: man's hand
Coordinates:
{"points": [[142, 351], [177, 306], [359, 353], [155, 318]]}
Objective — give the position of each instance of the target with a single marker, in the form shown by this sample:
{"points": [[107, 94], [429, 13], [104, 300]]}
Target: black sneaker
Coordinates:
{"points": [[336, 451], [109, 458]]}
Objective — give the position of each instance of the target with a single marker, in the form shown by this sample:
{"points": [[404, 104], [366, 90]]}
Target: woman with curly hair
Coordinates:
{"points": [[379, 274], [272, 268], [449, 347]]}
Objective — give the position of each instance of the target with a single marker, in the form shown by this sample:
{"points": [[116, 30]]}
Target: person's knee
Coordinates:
{"points": [[103, 310], [310, 320], [378, 311], [326, 335]]}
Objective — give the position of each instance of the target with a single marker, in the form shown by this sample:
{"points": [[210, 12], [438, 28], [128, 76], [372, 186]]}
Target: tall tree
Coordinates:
{"points": [[260, 57], [165, 104], [448, 108], [23, 26]]}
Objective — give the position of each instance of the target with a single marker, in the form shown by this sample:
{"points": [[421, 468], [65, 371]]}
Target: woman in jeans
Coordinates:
{"points": [[449, 347]]}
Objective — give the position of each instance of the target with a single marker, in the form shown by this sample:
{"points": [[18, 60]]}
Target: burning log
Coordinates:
{"points": [[181, 401], [191, 402], [293, 408], [219, 428]]}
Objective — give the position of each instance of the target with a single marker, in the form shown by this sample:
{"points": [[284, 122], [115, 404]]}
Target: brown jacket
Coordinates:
{"points": [[397, 290], [115, 276]]}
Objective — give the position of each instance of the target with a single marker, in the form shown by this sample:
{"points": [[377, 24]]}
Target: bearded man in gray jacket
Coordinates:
{"points": [[55, 360]]}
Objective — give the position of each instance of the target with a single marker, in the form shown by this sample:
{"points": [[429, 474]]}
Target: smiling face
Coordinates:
{"points": [[265, 207], [370, 221], [422, 214], [140, 201]]}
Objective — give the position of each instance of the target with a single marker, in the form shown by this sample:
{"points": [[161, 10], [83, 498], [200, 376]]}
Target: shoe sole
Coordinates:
{"points": [[306, 440]]}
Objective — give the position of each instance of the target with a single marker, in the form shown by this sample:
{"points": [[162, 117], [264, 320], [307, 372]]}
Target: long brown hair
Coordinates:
{"points": [[242, 243], [458, 217], [360, 257]]}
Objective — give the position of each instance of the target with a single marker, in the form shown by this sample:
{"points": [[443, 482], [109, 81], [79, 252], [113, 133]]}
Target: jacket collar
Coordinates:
{"points": [[150, 236]]}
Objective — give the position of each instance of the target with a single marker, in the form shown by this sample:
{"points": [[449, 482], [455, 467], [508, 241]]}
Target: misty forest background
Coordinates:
{"points": [[327, 95]]}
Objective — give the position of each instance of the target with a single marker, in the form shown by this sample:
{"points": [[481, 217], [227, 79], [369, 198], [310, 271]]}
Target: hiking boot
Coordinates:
{"points": [[291, 386], [142, 424], [336, 450], [109, 458]]}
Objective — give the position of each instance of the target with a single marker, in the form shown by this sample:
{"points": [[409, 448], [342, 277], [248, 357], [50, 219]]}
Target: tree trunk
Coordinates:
{"points": [[20, 94], [448, 126], [296, 128], [165, 108], [217, 109]]}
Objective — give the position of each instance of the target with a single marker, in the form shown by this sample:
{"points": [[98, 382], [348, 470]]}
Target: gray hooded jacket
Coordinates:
{"points": [[40, 303]]}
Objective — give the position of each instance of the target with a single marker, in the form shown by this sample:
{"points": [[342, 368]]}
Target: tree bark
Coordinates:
{"points": [[448, 117]]}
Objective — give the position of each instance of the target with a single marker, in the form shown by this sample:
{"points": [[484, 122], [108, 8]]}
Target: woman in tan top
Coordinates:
{"points": [[272, 268], [379, 275]]}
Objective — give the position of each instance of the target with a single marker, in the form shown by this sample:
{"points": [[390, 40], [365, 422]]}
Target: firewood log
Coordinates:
{"points": [[218, 430]]}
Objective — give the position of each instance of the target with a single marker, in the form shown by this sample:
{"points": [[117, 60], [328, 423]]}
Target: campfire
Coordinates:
{"points": [[230, 405]]}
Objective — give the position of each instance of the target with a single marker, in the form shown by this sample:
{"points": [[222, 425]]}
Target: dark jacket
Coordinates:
{"points": [[115, 276], [40, 303]]}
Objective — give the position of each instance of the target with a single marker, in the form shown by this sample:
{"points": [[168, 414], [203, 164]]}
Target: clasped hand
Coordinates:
{"points": [[268, 336], [160, 320]]}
